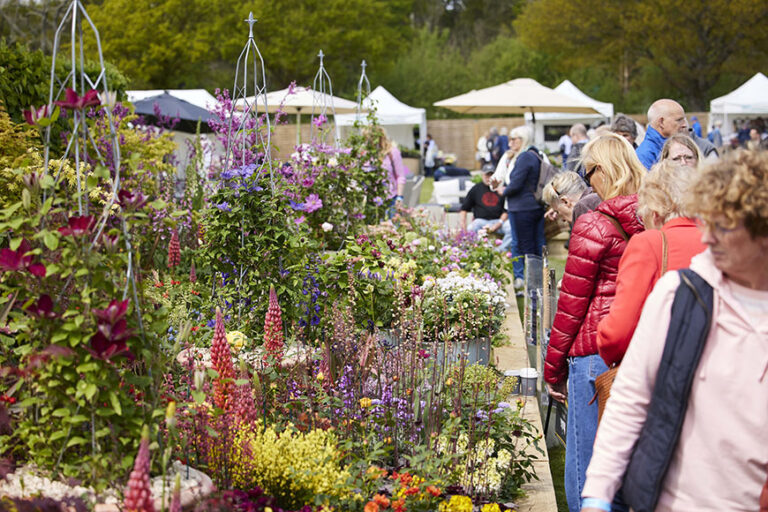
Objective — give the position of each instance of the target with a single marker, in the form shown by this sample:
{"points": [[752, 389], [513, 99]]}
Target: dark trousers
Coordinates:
{"points": [[526, 226]]}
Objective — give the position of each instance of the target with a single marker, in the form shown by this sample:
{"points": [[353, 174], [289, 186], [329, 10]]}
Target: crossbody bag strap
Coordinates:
{"points": [[616, 223], [664, 253]]}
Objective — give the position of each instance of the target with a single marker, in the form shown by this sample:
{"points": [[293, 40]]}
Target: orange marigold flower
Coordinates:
{"points": [[398, 505], [412, 491], [371, 507], [381, 500], [434, 491]]}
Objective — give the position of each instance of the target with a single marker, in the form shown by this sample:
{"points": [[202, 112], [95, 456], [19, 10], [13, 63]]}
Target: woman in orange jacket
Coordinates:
{"points": [[669, 243]]}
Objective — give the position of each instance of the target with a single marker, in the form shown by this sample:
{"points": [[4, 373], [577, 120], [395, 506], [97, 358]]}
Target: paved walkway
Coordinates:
{"points": [[540, 493]]}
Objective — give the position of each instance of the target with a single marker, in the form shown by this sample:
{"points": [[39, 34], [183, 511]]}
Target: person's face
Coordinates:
{"points": [[627, 135], [753, 134], [736, 254], [515, 144], [564, 209], [487, 178], [682, 155], [674, 122]]}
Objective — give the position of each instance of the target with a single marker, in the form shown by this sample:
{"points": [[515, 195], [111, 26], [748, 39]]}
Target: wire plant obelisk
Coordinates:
{"points": [[80, 140], [322, 105], [363, 92], [249, 135], [247, 141]]}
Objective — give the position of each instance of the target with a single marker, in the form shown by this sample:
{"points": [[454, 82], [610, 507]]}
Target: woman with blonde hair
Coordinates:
{"points": [[670, 241], [597, 242], [682, 150], [685, 426], [392, 163]]}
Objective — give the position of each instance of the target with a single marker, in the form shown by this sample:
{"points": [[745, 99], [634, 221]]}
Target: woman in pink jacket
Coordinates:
{"points": [[705, 415]]}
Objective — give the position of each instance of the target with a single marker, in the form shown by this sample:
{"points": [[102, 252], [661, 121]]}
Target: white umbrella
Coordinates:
{"points": [[303, 99], [515, 97]]}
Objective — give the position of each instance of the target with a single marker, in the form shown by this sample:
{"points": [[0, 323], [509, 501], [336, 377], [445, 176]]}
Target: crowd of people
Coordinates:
{"points": [[666, 288]]}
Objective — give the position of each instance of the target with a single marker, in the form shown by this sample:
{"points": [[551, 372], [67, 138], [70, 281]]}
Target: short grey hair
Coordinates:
{"points": [[566, 183], [662, 191]]}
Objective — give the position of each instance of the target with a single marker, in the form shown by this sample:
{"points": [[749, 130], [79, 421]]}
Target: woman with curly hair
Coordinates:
{"points": [[685, 426], [597, 242]]}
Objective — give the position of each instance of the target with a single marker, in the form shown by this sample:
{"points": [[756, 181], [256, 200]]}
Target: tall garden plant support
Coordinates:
{"points": [[322, 105], [363, 91], [249, 136], [80, 143], [246, 142]]}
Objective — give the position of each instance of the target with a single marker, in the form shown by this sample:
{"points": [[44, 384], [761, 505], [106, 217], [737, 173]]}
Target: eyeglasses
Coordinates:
{"points": [[715, 228], [589, 173], [684, 158]]}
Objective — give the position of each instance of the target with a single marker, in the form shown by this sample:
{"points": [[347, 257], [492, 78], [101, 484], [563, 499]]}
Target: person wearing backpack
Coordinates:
{"points": [[685, 426], [525, 212]]}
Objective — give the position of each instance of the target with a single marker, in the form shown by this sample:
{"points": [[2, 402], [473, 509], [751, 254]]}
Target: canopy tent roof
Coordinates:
{"points": [[748, 99], [515, 97], [198, 97], [171, 106], [389, 110], [568, 89], [302, 100]]}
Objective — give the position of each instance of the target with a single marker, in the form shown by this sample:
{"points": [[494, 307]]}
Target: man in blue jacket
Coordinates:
{"points": [[665, 118]]}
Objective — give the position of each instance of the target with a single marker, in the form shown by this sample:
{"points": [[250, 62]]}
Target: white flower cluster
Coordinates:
{"points": [[454, 283], [482, 470]]}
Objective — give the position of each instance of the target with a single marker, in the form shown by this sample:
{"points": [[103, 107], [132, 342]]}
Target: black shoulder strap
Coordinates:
{"points": [[687, 334]]}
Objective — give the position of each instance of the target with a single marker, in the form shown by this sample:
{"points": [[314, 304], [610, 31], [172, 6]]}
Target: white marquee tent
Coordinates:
{"points": [[747, 101], [567, 88], [394, 115]]}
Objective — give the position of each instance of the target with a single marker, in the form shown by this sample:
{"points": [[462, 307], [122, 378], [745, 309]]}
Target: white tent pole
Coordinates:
{"points": [[298, 126]]}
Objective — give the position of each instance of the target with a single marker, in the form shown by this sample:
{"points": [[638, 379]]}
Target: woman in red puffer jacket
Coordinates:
{"points": [[597, 242]]}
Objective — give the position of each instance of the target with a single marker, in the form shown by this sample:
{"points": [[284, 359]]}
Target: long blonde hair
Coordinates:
{"points": [[622, 171], [524, 134]]}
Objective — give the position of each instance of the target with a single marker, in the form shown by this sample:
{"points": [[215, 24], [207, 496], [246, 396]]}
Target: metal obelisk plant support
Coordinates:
{"points": [[241, 124], [363, 91], [80, 139], [322, 104], [240, 132]]}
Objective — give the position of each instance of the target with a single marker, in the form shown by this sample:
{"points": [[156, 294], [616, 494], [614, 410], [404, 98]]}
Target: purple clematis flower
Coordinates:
{"points": [[33, 115], [312, 203], [130, 200], [43, 308], [110, 339]]}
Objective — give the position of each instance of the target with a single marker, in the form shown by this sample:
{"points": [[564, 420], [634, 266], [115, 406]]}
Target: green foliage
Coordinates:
{"points": [[678, 46], [26, 78], [15, 141]]}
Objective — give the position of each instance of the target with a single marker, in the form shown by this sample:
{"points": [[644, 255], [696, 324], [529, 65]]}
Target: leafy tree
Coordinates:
{"points": [[688, 43]]}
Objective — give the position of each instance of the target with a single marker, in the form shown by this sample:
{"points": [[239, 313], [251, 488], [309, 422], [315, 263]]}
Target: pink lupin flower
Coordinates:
{"points": [[176, 496], [174, 250], [192, 273], [221, 358], [273, 328], [138, 495]]}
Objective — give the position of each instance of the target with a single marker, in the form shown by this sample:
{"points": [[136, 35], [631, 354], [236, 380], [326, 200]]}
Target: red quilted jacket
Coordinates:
{"points": [[589, 283]]}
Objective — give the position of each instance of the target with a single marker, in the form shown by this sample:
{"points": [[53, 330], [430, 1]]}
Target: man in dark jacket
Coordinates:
{"points": [[579, 138]]}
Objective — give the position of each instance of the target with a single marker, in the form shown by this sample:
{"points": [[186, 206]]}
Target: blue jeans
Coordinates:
{"points": [[506, 229], [517, 263]]}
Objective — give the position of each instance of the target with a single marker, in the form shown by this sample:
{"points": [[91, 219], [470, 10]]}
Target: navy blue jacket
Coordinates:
{"points": [[688, 331], [522, 182]]}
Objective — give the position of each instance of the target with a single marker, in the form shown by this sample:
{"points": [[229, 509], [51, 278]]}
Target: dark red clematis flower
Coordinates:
{"points": [[18, 260], [78, 226], [74, 102], [112, 313], [43, 308], [33, 115], [113, 331], [131, 200]]}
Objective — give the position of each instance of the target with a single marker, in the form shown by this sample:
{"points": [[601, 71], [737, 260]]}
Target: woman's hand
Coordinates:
{"points": [[558, 392]]}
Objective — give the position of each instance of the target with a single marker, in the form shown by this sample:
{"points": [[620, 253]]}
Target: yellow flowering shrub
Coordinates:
{"points": [[457, 504], [291, 466], [236, 340]]}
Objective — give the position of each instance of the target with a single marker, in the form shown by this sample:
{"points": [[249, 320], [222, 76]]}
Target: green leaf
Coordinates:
{"points": [[115, 403], [158, 204], [16, 242], [90, 391], [57, 435], [61, 412], [51, 240], [76, 441]]}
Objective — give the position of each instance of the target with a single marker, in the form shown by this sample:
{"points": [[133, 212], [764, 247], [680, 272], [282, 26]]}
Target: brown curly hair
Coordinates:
{"points": [[734, 188]]}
